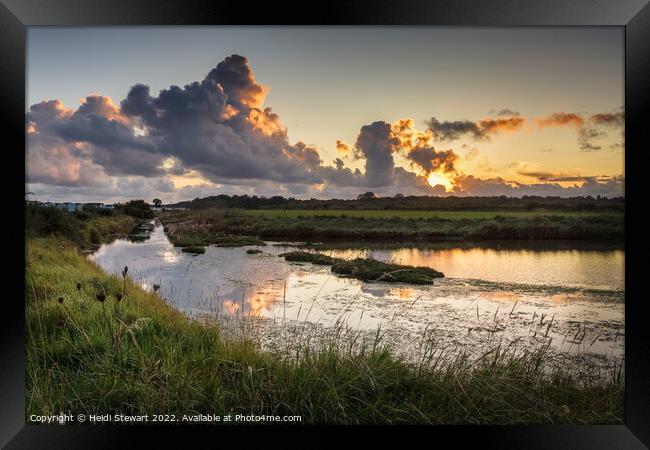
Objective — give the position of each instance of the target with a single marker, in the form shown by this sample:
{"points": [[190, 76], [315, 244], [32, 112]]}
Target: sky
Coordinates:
{"points": [[175, 113]]}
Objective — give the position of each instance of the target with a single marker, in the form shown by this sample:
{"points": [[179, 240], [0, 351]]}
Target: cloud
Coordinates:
{"points": [[493, 126], [588, 130], [505, 112], [481, 130], [585, 137], [609, 119], [468, 185], [430, 160], [343, 148], [560, 177], [376, 143], [560, 119], [452, 130], [219, 131]]}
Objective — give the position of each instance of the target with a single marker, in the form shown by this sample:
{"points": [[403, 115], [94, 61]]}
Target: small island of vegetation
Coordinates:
{"points": [[368, 269]]}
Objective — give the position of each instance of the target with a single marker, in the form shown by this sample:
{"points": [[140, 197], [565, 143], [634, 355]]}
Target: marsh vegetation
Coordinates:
{"points": [[246, 227], [138, 355], [123, 343]]}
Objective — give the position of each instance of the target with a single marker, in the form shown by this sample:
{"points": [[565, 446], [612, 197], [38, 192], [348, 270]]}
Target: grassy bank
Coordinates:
{"points": [[367, 269], [204, 226], [85, 229], [138, 355]]}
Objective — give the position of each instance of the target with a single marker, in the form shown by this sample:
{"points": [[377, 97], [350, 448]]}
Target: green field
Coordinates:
{"points": [[416, 214], [208, 226]]}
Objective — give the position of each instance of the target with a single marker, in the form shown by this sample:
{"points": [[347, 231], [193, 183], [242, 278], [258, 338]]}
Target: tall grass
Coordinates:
{"points": [[138, 355]]}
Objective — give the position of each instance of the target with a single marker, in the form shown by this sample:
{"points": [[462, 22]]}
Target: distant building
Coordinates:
{"points": [[69, 206], [109, 206], [93, 205]]}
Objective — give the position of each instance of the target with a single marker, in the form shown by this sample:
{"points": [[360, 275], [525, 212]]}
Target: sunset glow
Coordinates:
{"points": [[436, 179], [238, 118]]}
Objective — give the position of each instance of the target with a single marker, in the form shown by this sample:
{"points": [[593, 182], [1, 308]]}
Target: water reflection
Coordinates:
{"points": [[575, 268], [481, 285]]}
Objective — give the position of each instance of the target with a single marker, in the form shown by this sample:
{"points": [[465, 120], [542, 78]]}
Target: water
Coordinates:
{"points": [[571, 299]]}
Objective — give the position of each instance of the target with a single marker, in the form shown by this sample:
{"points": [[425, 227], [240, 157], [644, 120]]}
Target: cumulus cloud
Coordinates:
{"points": [[430, 160], [220, 130], [376, 143]]}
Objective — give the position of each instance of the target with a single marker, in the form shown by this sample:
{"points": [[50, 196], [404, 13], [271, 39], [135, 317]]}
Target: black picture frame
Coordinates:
{"points": [[633, 15]]}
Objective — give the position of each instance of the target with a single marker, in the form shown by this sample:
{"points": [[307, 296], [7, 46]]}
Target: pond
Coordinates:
{"points": [[569, 297]]}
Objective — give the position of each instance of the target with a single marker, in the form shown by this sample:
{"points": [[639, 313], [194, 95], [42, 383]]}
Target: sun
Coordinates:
{"points": [[436, 178]]}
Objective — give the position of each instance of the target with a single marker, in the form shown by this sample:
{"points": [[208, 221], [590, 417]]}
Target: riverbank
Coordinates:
{"points": [[202, 227], [138, 355], [86, 229]]}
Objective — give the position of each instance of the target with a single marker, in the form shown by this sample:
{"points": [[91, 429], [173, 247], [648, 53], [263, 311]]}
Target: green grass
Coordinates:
{"points": [[310, 257], [201, 226], [367, 269], [416, 214], [373, 270], [138, 356], [86, 230]]}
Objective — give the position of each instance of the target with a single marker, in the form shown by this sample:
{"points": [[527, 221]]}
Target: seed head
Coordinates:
{"points": [[156, 287], [125, 271], [118, 296], [78, 286], [101, 296], [60, 299]]}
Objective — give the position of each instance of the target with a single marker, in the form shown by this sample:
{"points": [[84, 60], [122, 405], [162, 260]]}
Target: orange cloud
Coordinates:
{"points": [[407, 136], [102, 106], [491, 126], [608, 119], [342, 147], [266, 121], [560, 119]]}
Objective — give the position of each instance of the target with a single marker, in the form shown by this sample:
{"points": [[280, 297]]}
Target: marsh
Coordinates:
{"points": [[568, 296]]}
